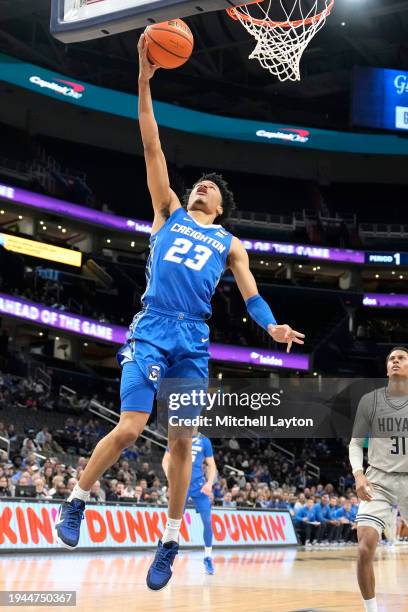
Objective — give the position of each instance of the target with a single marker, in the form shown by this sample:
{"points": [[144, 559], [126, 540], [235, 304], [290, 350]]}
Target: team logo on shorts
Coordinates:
{"points": [[154, 372]]}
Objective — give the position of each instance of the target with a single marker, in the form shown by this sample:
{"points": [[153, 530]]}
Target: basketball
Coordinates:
{"points": [[170, 44]]}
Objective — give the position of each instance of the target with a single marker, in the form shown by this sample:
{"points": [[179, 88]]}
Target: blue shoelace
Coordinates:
{"points": [[163, 557]]}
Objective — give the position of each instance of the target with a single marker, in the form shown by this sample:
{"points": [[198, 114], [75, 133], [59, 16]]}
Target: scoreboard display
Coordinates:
{"points": [[386, 258], [380, 98]]}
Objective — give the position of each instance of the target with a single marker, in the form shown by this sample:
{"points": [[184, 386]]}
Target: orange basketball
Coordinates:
{"points": [[170, 44]]}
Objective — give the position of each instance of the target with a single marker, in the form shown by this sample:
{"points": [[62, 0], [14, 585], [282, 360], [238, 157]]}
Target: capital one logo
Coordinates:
{"points": [[401, 84], [289, 134], [68, 89]]}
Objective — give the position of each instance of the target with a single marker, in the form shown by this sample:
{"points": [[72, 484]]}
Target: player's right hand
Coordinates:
{"points": [[364, 488], [146, 69]]}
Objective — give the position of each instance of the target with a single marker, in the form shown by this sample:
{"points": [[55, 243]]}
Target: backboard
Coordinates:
{"points": [[78, 20]]}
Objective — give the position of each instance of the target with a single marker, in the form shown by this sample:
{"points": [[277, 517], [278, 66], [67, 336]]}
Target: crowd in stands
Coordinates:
{"points": [[262, 478], [324, 515]]}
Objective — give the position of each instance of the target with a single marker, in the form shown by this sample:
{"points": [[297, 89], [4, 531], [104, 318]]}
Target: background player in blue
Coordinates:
{"points": [[200, 489], [169, 337]]}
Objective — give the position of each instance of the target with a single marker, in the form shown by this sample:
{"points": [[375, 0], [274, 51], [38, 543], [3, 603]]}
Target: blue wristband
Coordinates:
{"points": [[260, 312]]}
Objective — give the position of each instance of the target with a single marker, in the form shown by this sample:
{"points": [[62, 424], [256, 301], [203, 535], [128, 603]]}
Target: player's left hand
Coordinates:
{"points": [[207, 489], [285, 334]]}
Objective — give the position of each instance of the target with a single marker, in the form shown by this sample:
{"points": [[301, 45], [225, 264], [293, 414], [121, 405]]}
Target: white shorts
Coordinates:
{"points": [[390, 493]]}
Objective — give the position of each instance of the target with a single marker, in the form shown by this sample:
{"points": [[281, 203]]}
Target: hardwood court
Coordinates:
{"points": [[274, 580]]}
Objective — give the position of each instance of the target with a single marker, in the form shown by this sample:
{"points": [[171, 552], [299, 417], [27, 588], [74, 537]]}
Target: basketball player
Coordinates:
{"points": [[200, 489], [169, 337], [383, 412]]}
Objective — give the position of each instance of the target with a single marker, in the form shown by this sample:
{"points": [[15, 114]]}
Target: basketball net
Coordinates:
{"points": [[281, 44]]}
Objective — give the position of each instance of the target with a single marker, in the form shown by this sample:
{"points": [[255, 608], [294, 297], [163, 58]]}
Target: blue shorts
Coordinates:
{"points": [[163, 345], [201, 501]]}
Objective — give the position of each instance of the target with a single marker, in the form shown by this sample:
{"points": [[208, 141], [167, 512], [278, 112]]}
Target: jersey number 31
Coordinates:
{"points": [[181, 247]]}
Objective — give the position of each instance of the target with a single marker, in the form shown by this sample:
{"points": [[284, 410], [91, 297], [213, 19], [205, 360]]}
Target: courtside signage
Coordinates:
{"points": [[105, 100], [29, 525], [115, 334]]}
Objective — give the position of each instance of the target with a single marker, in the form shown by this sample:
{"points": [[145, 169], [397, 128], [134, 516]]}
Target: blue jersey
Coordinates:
{"points": [[201, 449], [185, 265]]}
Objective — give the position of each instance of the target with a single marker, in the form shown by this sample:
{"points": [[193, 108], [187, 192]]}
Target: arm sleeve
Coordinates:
{"points": [[361, 429], [260, 312], [356, 454]]}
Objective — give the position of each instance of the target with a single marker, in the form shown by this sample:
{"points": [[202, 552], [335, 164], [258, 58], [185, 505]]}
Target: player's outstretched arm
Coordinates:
{"points": [[257, 308], [164, 200]]}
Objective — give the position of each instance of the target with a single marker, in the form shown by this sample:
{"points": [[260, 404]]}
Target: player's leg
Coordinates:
{"points": [[202, 505], [316, 530], [308, 533], [109, 449], [188, 370], [368, 538], [372, 519], [137, 394], [178, 476]]}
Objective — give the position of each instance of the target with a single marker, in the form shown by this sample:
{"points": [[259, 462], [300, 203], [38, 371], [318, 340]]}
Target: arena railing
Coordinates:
{"points": [[7, 443], [112, 417]]}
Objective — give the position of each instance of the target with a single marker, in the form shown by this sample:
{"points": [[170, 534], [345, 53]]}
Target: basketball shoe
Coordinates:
{"points": [[68, 522], [160, 570], [209, 567]]}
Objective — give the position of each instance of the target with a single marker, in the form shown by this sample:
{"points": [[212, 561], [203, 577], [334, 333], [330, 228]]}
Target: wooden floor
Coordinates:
{"points": [[277, 580]]}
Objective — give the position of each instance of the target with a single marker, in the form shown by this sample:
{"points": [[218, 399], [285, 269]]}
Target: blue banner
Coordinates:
{"points": [[83, 94]]}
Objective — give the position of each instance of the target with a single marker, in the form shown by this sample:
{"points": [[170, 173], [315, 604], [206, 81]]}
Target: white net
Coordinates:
{"points": [[281, 40]]}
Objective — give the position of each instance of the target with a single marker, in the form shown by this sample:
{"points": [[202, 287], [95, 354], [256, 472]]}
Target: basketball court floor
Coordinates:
{"points": [[250, 580]]}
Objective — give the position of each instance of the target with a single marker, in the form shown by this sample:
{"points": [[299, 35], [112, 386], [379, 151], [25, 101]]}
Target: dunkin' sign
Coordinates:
{"points": [[29, 525]]}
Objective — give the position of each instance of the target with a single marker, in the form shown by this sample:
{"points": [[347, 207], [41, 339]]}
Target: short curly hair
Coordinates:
{"points": [[227, 197]]}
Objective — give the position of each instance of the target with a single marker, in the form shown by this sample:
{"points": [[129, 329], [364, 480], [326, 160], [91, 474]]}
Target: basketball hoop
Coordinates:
{"points": [[281, 44]]}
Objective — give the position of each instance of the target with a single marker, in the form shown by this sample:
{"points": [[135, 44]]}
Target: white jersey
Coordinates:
{"points": [[384, 419]]}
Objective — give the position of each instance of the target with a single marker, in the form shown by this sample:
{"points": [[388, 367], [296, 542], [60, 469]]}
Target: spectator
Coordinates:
{"points": [[333, 523], [308, 524], [70, 485], [301, 500], [146, 473], [5, 490], [97, 493], [56, 481], [40, 437], [40, 489], [227, 501], [17, 461], [60, 491], [346, 517], [50, 446], [139, 493]]}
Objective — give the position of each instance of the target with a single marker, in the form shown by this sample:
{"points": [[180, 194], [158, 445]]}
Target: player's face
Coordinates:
{"points": [[206, 197], [397, 366]]}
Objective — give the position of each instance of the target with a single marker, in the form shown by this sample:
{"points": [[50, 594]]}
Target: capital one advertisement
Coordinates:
{"points": [[29, 525]]}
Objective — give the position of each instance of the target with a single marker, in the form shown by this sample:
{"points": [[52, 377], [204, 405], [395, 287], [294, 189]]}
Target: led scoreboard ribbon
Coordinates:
{"points": [[388, 259]]}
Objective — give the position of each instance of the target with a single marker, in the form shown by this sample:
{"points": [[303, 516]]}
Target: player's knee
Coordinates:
{"points": [[124, 436], [180, 448], [366, 550]]}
